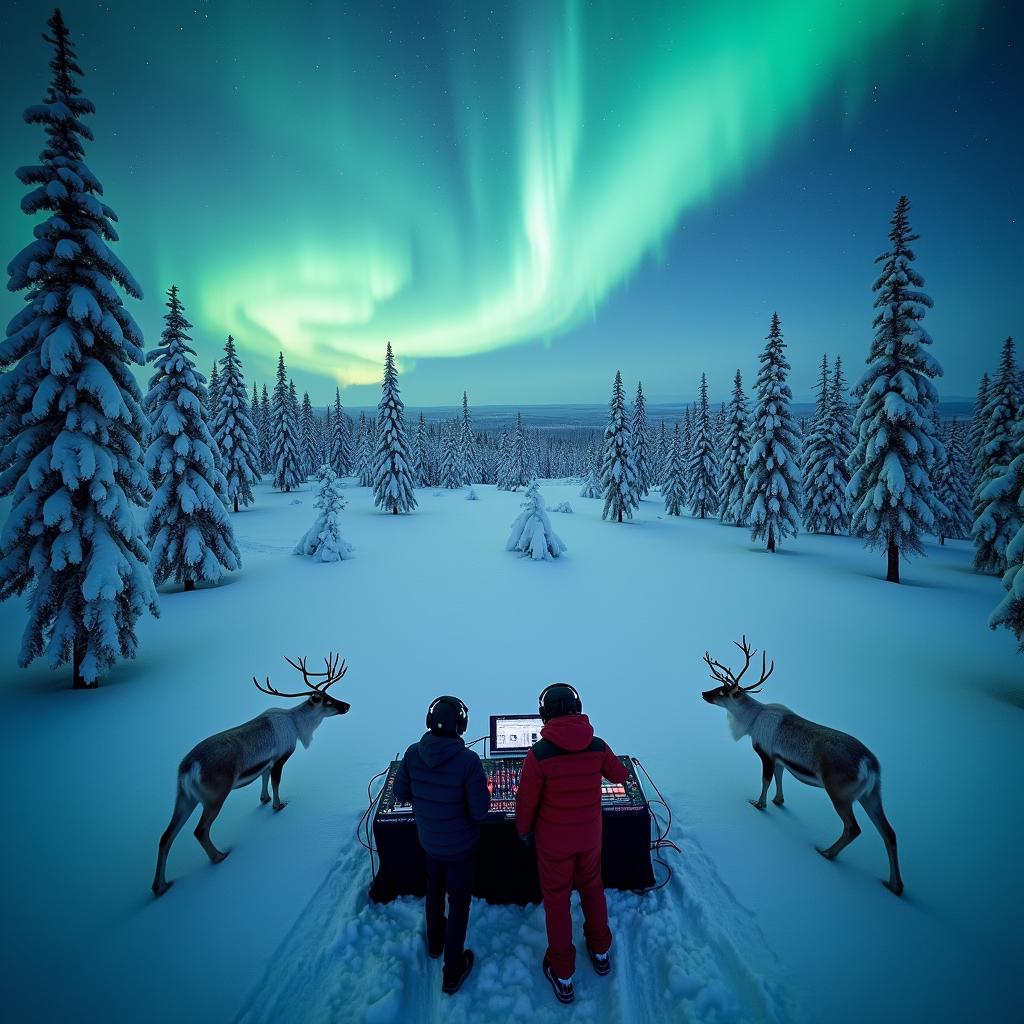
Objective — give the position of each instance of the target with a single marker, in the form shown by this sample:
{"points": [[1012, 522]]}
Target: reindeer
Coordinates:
{"points": [[814, 754], [234, 758]]}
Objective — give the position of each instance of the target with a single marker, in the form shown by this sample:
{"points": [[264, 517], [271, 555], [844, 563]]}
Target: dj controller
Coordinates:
{"points": [[506, 868], [503, 775]]}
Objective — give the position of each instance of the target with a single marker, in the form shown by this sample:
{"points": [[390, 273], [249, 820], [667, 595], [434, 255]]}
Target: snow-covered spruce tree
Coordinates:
{"points": [[659, 442], [452, 471], [835, 503], [323, 541], [266, 428], [591, 486], [339, 457], [324, 433], [824, 465], [977, 429], [954, 486], [1010, 611], [422, 453], [284, 430], [842, 443], [808, 427], [256, 415], [469, 458], [719, 422], [531, 532], [686, 448], [703, 467], [519, 468], [307, 438], [502, 463], [673, 487], [771, 495], [736, 447], [364, 453], [641, 444], [71, 423], [393, 483], [212, 393], [234, 431], [890, 491], [618, 470], [996, 519], [190, 535]]}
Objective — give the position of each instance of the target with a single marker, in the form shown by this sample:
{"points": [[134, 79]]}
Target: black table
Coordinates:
{"points": [[506, 868]]}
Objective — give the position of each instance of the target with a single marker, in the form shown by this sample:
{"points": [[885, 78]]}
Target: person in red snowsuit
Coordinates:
{"points": [[559, 803]]}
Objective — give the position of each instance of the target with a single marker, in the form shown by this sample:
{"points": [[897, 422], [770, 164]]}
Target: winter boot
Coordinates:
{"points": [[602, 962], [452, 985], [562, 987]]}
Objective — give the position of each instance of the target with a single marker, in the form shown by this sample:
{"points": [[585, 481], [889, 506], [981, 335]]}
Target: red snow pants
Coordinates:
{"points": [[559, 875]]}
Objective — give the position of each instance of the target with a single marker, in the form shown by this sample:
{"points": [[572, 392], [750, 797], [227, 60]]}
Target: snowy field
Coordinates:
{"points": [[754, 925]]}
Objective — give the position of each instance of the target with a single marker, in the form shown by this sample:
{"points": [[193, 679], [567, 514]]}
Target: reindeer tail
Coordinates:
{"points": [[188, 779], [868, 777]]}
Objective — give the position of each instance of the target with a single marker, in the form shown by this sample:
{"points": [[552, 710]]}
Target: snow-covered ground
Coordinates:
{"points": [[754, 926]]}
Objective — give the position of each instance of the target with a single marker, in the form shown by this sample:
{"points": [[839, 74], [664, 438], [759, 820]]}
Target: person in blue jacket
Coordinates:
{"points": [[447, 786]]}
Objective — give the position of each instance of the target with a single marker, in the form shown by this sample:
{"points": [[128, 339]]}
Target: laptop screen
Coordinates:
{"points": [[514, 734]]}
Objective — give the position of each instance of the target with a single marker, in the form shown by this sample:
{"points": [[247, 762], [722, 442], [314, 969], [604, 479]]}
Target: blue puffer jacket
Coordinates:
{"points": [[445, 783]]}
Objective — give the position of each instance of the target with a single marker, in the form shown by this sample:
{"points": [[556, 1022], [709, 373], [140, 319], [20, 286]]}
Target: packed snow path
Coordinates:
{"points": [[688, 952]]}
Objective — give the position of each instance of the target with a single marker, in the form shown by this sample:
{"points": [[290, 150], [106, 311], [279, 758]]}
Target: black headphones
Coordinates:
{"points": [[567, 703], [460, 710]]}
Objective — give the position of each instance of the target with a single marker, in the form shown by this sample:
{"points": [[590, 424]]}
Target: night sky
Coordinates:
{"points": [[523, 198]]}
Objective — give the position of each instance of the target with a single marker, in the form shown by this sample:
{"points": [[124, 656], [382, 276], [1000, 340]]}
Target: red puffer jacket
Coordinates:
{"points": [[559, 797]]}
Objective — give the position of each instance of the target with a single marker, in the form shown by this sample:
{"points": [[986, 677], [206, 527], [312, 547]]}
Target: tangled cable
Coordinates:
{"points": [[364, 826], [660, 841]]}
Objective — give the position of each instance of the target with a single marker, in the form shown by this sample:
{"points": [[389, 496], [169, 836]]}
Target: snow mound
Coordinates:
{"points": [[686, 952], [562, 507], [472, 495]]}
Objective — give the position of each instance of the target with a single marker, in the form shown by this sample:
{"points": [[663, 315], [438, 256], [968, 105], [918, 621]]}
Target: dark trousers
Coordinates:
{"points": [[559, 875], [454, 879]]}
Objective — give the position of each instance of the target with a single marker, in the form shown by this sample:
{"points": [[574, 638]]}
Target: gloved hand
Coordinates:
{"points": [[526, 838]]}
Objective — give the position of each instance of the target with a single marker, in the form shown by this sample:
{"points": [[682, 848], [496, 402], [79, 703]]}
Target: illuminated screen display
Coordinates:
{"points": [[514, 732]]}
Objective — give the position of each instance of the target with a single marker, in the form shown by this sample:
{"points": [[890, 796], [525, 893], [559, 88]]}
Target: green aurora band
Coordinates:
{"points": [[500, 194]]}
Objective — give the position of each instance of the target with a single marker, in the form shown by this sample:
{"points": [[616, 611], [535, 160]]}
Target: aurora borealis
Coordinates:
{"points": [[466, 182]]}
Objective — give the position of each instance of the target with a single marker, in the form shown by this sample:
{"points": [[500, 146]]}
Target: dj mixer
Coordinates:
{"points": [[506, 869], [503, 776]]}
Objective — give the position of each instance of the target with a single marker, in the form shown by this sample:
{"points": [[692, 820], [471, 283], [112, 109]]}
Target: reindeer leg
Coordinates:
{"points": [[183, 807], [767, 769], [844, 808], [275, 780], [872, 804], [202, 833], [265, 795], [778, 799]]}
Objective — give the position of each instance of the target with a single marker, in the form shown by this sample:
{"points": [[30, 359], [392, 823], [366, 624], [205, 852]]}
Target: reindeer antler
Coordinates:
{"points": [[724, 675], [274, 692], [335, 671]]}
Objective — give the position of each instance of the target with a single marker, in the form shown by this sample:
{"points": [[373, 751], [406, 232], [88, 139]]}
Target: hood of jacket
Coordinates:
{"points": [[436, 750], [570, 732]]}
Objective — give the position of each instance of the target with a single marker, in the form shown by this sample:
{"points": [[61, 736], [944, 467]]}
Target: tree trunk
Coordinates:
{"points": [[236, 502], [394, 510], [620, 515], [190, 585], [77, 654], [893, 573], [771, 538], [942, 541]]}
